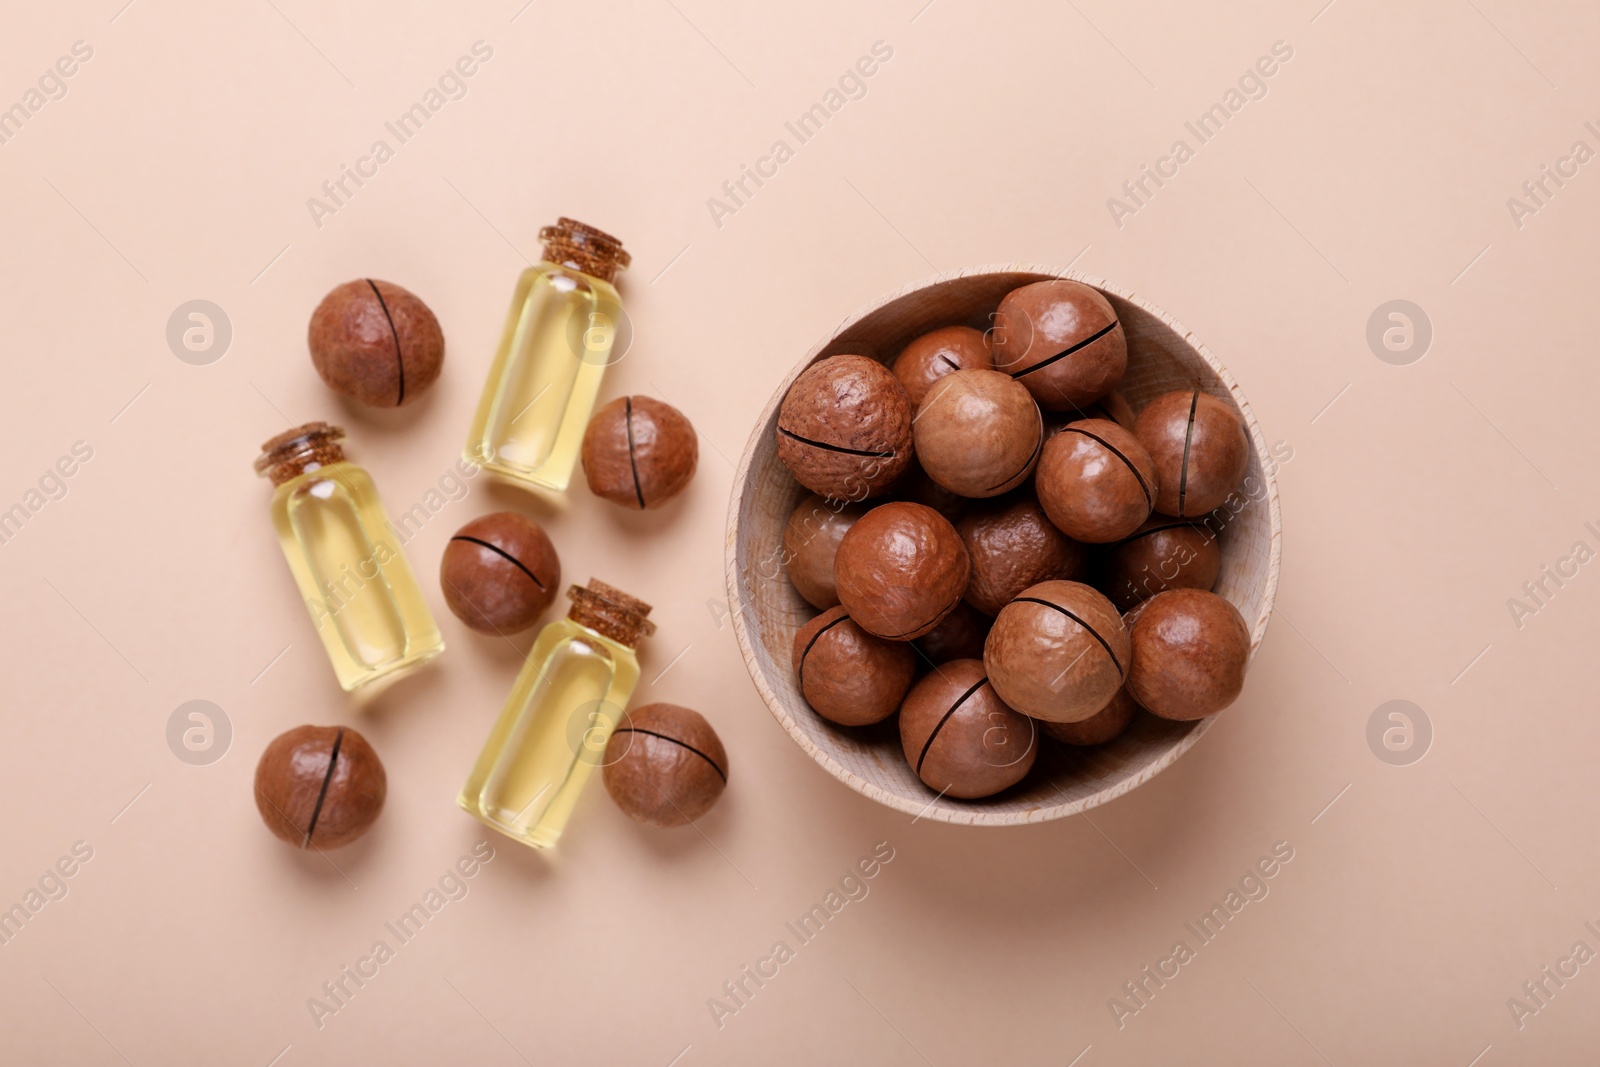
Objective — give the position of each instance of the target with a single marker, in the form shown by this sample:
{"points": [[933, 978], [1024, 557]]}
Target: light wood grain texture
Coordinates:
{"points": [[767, 611]]}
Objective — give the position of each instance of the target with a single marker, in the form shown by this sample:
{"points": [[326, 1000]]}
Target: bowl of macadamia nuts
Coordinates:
{"points": [[1003, 545]]}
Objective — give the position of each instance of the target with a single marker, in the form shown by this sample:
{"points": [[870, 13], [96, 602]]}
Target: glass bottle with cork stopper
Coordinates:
{"points": [[560, 335], [552, 732], [345, 557]]}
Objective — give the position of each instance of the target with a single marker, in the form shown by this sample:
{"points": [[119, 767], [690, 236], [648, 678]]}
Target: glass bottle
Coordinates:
{"points": [[346, 558], [550, 736], [558, 339]]}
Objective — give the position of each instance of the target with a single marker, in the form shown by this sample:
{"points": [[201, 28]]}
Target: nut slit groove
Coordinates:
{"points": [[633, 458], [1115, 451], [640, 730], [333, 761], [962, 699], [835, 448], [1089, 629], [1065, 352], [800, 671], [1188, 436], [497, 550], [399, 362]]}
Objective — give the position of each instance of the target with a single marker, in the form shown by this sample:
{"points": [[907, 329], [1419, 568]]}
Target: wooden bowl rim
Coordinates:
{"points": [[976, 816]]}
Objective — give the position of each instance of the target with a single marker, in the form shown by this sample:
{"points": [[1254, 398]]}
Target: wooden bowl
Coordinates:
{"points": [[767, 611]]}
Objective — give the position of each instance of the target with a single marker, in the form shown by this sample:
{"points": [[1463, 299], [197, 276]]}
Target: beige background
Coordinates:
{"points": [[1418, 501]]}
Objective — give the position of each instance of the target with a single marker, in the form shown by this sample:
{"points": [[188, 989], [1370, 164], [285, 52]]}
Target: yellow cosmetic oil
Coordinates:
{"points": [[346, 558], [553, 730], [566, 325]]}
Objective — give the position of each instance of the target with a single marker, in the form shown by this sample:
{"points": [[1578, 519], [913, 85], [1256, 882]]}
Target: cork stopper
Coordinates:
{"points": [[595, 252], [293, 452], [610, 612]]}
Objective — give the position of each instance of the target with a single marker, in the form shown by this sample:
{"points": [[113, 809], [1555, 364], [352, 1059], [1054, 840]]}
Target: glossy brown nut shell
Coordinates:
{"points": [[937, 353], [1014, 545], [1057, 652], [915, 485], [1199, 448], [978, 433], [1097, 729], [1062, 340], [848, 676], [844, 428], [499, 573], [900, 570], [960, 635], [1162, 554], [639, 452], [665, 765], [810, 542], [959, 736], [375, 343], [1190, 651], [319, 786], [1096, 481]]}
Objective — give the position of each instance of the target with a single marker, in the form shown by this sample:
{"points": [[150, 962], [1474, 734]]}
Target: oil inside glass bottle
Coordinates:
{"points": [[563, 329], [553, 730], [345, 558]]}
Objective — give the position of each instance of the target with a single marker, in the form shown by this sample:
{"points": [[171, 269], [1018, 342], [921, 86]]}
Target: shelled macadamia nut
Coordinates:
{"points": [[1095, 481], [848, 676], [1014, 545], [959, 636], [900, 570], [1104, 725], [844, 428], [978, 433], [1162, 554], [320, 786], [639, 452], [1190, 649], [1062, 340], [937, 353], [959, 736], [665, 765], [1199, 448], [499, 573], [1058, 652], [810, 542], [376, 343]]}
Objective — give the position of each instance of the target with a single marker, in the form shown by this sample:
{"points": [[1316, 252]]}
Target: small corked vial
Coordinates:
{"points": [[304, 448], [582, 247], [346, 559], [610, 612]]}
